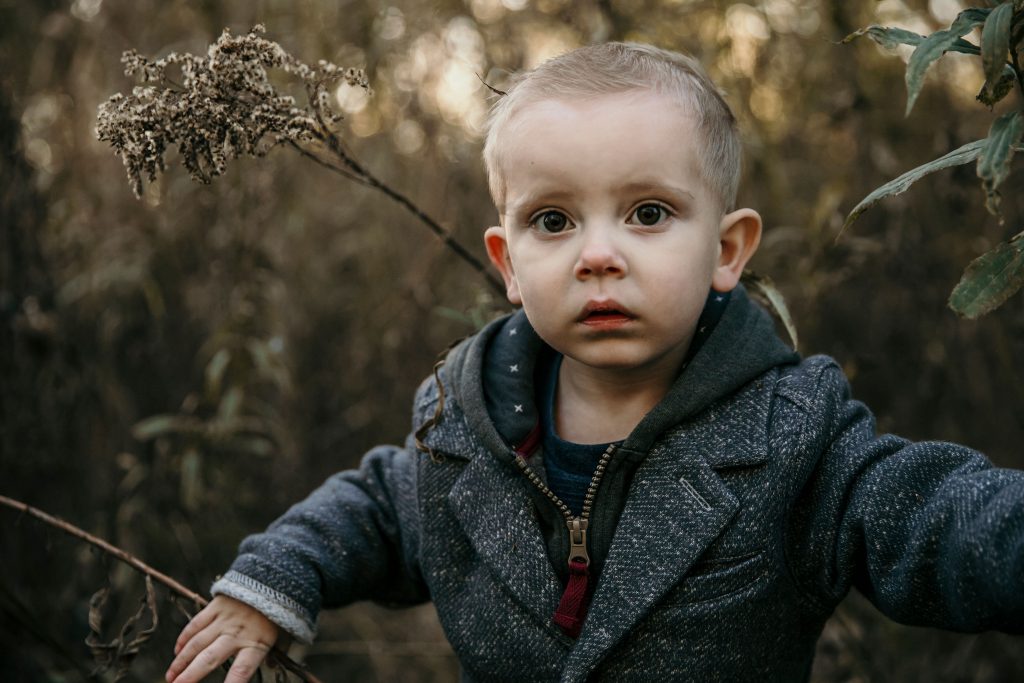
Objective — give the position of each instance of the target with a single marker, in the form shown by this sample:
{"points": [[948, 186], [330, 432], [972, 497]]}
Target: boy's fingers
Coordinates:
{"points": [[205, 661], [190, 651], [195, 624], [245, 665]]}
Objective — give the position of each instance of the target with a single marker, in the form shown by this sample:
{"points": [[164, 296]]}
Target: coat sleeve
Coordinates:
{"points": [[930, 532], [354, 538]]}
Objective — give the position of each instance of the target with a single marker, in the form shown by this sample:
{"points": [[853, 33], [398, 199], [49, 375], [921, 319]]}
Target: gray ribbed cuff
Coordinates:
{"points": [[277, 607]]}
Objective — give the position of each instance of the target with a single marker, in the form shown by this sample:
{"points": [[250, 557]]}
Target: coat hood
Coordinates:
{"points": [[491, 375]]}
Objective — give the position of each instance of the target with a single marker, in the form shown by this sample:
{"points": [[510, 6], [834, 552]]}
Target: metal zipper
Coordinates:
{"points": [[577, 525]]}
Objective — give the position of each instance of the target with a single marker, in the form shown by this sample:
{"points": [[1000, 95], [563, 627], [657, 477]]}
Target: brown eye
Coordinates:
{"points": [[650, 214], [552, 221]]}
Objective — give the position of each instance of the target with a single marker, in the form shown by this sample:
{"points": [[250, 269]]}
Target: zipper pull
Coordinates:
{"points": [[572, 608], [578, 541]]}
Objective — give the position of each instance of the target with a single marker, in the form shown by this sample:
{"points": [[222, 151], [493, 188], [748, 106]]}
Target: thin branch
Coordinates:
{"points": [[500, 93], [106, 547], [135, 563], [434, 226], [328, 165], [338, 149]]}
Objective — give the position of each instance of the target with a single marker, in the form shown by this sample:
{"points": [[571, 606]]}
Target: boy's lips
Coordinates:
{"points": [[605, 313]]}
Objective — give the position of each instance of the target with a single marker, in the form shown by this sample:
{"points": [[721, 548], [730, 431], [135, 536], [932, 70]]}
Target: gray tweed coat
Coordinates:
{"points": [[739, 513]]}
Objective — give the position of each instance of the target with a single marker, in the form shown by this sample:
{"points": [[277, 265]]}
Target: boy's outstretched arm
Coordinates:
{"points": [[224, 628], [930, 532]]}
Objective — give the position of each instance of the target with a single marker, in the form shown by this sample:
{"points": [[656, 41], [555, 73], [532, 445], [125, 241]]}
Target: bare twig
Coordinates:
{"points": [[335, 145], [276, 655], [500, 93], [328, 165], [106, 547]]}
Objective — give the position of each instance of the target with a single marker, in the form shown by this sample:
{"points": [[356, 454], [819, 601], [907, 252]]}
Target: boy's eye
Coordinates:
{"points": [[650, 214], [551, 221]]}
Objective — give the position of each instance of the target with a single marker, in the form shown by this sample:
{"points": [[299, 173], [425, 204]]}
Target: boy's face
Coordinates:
{"points": [[609, 238]]}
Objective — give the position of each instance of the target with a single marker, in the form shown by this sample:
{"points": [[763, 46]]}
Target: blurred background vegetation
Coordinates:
{"points": [[176, 370]]}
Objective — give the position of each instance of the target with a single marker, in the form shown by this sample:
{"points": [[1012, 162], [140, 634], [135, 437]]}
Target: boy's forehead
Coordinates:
{"points": [[607, 150], [594, 120], [633, 135], [555, 104], [617, 136]]}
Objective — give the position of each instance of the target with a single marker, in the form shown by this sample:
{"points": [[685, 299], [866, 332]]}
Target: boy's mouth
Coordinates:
{"points": [[604, 313]]}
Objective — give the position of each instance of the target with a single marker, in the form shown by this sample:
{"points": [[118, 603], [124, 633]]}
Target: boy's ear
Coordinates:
{"points": [[739, 235], [497, 250]]}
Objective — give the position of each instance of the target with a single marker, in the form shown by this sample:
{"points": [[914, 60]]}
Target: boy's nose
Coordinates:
{"points": [[599, 257]]}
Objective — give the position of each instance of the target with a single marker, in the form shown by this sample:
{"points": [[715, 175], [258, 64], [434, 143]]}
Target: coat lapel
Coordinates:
{"points": [[677, 506], [496, 512]]}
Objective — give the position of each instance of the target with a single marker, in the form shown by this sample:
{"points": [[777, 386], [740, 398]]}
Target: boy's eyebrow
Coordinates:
{"points": [[628, 188], [654, 186], [537, 198]]}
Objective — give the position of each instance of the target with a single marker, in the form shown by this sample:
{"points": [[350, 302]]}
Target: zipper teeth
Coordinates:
{"points": [[535, 480], [602, 465], [588, 499]]}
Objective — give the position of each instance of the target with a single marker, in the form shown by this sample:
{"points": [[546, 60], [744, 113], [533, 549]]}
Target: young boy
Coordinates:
{"points": [[631, 478]]}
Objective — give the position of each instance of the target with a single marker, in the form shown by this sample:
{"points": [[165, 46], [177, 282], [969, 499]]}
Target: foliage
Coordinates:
{"points": [[119, 652], [225, 106], [991, 278]]}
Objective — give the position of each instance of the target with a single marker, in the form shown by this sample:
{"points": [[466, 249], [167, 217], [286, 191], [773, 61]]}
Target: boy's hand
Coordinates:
{"points": [[224, 628]]}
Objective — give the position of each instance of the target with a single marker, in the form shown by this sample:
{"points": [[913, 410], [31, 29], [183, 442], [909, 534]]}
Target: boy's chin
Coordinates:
{"points": [[627, 360]]}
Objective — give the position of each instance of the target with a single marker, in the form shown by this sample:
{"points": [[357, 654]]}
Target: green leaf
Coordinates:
{"points": [[978, 14], [763, 286], [191, 479], [159, 425], [253, 445], [886, 36], [215, 371], [231, 403], [891, 38], [990, 280], [994, 161], [995, 42], [934, 46], [990, 94], [961, 155]]}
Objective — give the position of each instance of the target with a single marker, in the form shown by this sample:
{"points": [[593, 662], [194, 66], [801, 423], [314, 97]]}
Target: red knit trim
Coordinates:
{"points": [[572, 608], [530, 443]]}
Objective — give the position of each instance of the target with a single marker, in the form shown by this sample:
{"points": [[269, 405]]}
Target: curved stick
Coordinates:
{"points": [[140, 566]]}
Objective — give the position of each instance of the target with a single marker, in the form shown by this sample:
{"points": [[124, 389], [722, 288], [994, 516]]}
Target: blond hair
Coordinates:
{"points": [[612, 68]]}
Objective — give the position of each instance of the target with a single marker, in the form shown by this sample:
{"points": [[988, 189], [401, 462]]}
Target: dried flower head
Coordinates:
{"points": [[224, 107]]}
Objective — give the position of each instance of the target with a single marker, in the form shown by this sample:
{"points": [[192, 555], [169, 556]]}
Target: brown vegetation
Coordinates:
{"points": [[178, 369]]}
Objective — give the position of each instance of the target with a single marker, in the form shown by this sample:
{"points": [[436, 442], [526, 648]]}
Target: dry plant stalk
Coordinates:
{"points": [[226, 107], [121, 651]]}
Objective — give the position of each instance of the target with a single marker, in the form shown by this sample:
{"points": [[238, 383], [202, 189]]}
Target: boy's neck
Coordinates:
{"points": [[596, 405]]}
